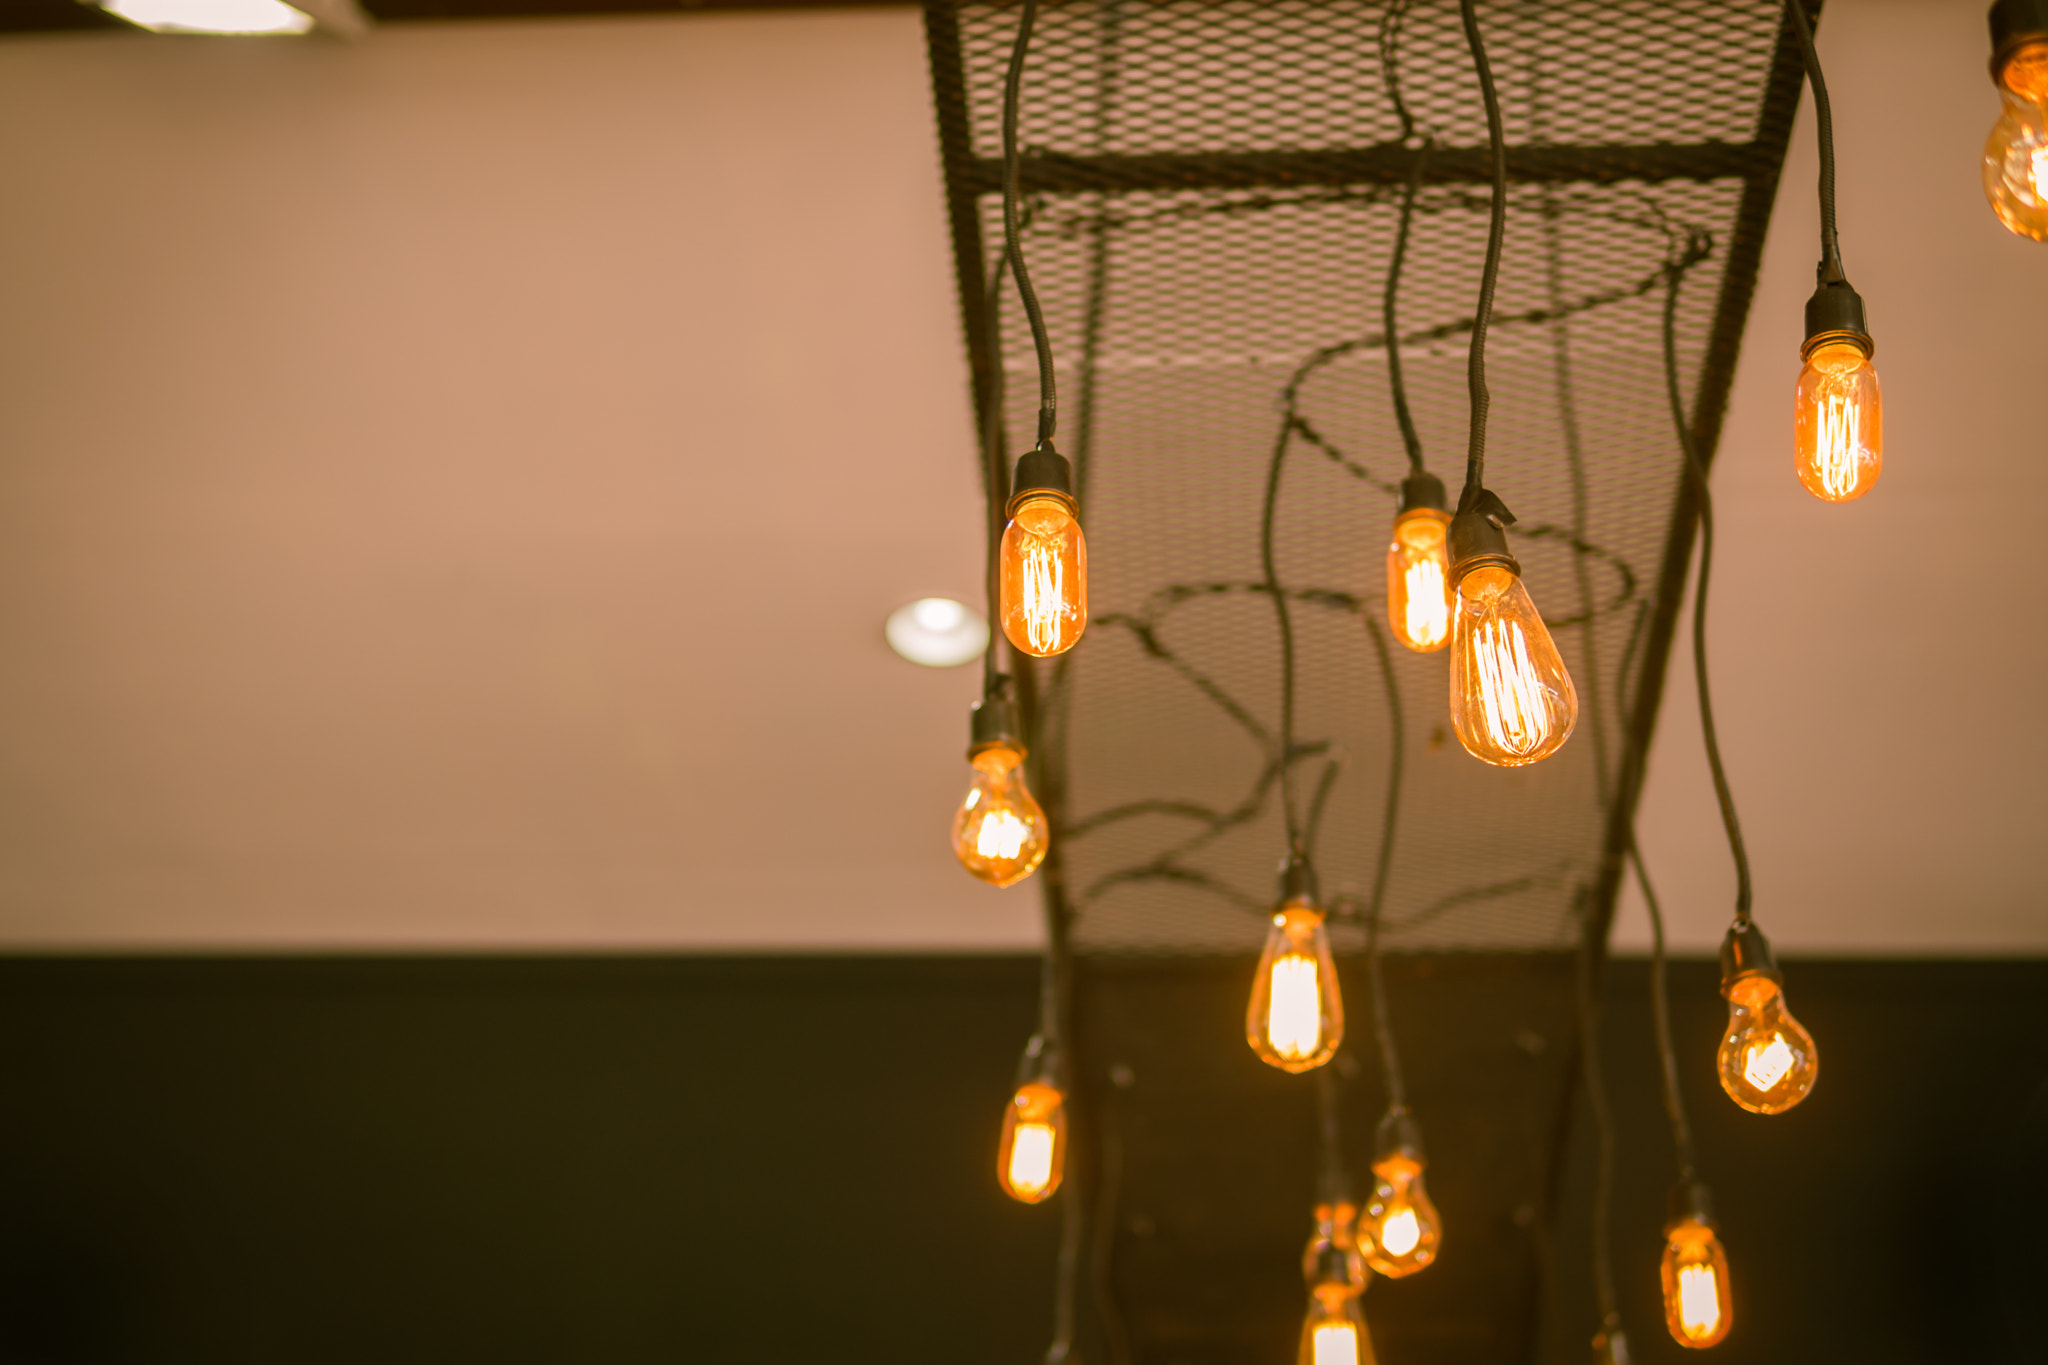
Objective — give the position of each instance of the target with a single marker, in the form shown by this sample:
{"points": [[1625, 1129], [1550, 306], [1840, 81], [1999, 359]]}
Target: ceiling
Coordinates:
{"points": [[438, 504]]}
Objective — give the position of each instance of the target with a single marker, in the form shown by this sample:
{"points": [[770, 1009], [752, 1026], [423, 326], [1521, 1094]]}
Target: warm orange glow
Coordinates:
{"points": [[1767, 1060], [2016, 153], [1044, 577], [1512, 700], [1000, 833], [1696, 1302], [1838, 423], [1398, 1229], [1033, 1154], [1334, 1333], [1296, 1018], [1419, 580], [1331, 1259]]}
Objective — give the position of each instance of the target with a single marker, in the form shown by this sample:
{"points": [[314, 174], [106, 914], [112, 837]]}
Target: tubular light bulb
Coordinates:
{"points": [[1696, 1302], [1033, 1155], [1419, 578], [1512, 700], [2016, 154], [1767, 1060], [1334, 1333], [1000, 833], [1398, 1229], [1044, 576], [1296, 1019], [1838, 421]]}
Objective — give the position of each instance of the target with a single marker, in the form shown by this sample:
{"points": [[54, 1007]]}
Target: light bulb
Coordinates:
{"points": [[1696, 1302], [1296, 1018], [2016, 154], [1000, 833], [1044, 575], [1334, 1333], [1398, 1230], [1332, 1258], [1419, 580], [1767, 1060], [1837, 420], [1512, 700], [1033, 1154]]}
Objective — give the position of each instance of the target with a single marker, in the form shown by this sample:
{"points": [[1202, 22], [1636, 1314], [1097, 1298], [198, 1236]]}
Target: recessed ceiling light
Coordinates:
{"points": [[937, 632], [211, 16]]}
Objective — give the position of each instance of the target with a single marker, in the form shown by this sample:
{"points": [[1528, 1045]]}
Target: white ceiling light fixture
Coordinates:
{"points": [[338, 18], [937, 632]]}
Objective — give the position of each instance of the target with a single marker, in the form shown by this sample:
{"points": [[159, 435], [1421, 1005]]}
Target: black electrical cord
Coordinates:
{"points": [[1660, 1013], [1390, 70], [1013, 83], [1409, 437], [994, 475], [1830, 244], [1295, 847], [1496, 235], [1603, 1122], [1382, 1021]]}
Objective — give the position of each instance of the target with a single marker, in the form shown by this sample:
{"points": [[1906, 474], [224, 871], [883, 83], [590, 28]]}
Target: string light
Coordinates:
{"points": [[2016, 153], [1296, 1017], [1334, 1331], [1032, 1156], [1000, 832], [1697, 1307], [1398, 1229]]}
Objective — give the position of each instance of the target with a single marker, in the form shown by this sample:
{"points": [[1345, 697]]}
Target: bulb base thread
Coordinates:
{"points": [[1835, 313], [1746, 953], [1689, 1202], [1042, 472], [992, 722], [1399, 1135], [1422, 490], [1479, 535], [2014, 24]]}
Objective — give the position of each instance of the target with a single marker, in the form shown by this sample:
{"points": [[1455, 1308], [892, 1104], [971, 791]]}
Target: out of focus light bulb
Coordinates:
{"points": [[1398, 1229], [1334, 1333], [1033, 1154], [1512, 700], [1697, 1307], [999, 832], [1419, 567], [1044, 558], [2016, 153], [1296, 1017], [1767, 1060]]}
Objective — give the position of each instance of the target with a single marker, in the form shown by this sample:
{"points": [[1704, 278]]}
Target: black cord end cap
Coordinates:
{"points": [[1423, 490], [1399, 1135], [1745, 953], [1479, 535], [993, 720], [1039, 471], [1689, 1202], [1298, 880], [1043, 1062], [2015, 23], [1835, 313]]}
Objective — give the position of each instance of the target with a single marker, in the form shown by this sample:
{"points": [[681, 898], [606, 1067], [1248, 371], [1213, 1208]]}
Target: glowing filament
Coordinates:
{"points": [[1837, 443], [1400, 1233], [1699, 1306], [1766, 1066], [1295, 1024], [1336, 1343], [1510, 692], [1031, 1158], [1429, 605], [1002, 835], [1044, 580]]}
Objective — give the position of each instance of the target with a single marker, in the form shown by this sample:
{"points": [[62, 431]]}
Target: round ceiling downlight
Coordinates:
{"points": [[937, 632]]}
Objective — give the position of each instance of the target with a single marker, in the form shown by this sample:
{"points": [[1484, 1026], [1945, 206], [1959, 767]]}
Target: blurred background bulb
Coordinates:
{"points": [[1512, 700], [1332, 1259], [1767, 1060], [1838, 421], [1398, 1229], [1044, 576], [1419, 580], [1696, 1304], [1000, 833], [1334, 1333], [1033, 1154], [2016, 154], [1296, 1018]]}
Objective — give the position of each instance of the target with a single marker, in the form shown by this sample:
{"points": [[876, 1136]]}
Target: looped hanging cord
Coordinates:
{"points": [[1824, 119], [1496, 235], [1013, 83]]}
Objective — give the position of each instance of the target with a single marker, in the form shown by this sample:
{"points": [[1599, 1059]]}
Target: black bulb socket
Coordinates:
{"points": [[1298, 881], [1479, 535], [2014, 24], [1042, 472], [1835, 314], [992, 723], [1424, 490], [1043, 1062], [1746, 953], [1688, 1202], [1333, 1187], [1399, 1135]]}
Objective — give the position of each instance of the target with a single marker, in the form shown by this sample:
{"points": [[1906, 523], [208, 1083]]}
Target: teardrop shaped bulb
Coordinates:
{"points": [[1512, 700], [1296, 1017], [1767, 1060], [1838, 423], [1044, 577], [1398, 1229], [2016, 153], [1695, 1273], [1419, 578], [1033, 1154], [1000, 834]]}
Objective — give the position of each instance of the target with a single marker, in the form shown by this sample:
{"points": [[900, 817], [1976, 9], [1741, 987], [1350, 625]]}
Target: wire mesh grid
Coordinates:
{"points": [[1213, 196]]}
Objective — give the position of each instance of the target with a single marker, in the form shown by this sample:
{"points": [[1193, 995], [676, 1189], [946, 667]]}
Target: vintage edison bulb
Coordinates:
{"points": [[1033, 1155], [1296, 1019], [1767, 1061], [2016, 154], [1838, 422], [1000, 833], [1419, 580], [1398, 1229], [1332, 1256], [1334, 1333], [1696, 1304], [1044, 576], [1512, 700]]}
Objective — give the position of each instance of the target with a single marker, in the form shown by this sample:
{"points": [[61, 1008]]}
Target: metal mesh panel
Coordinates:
{"points": [[1214, 191]]}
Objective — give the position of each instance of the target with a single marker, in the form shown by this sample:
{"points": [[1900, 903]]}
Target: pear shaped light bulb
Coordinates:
{"points": [[1296, 1017], [1044, 574], [2016, 153], [1033, 1154], [1512, 700], [1767, 1060], [1695, 1274], [999, 833], [1398, 1227]]}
